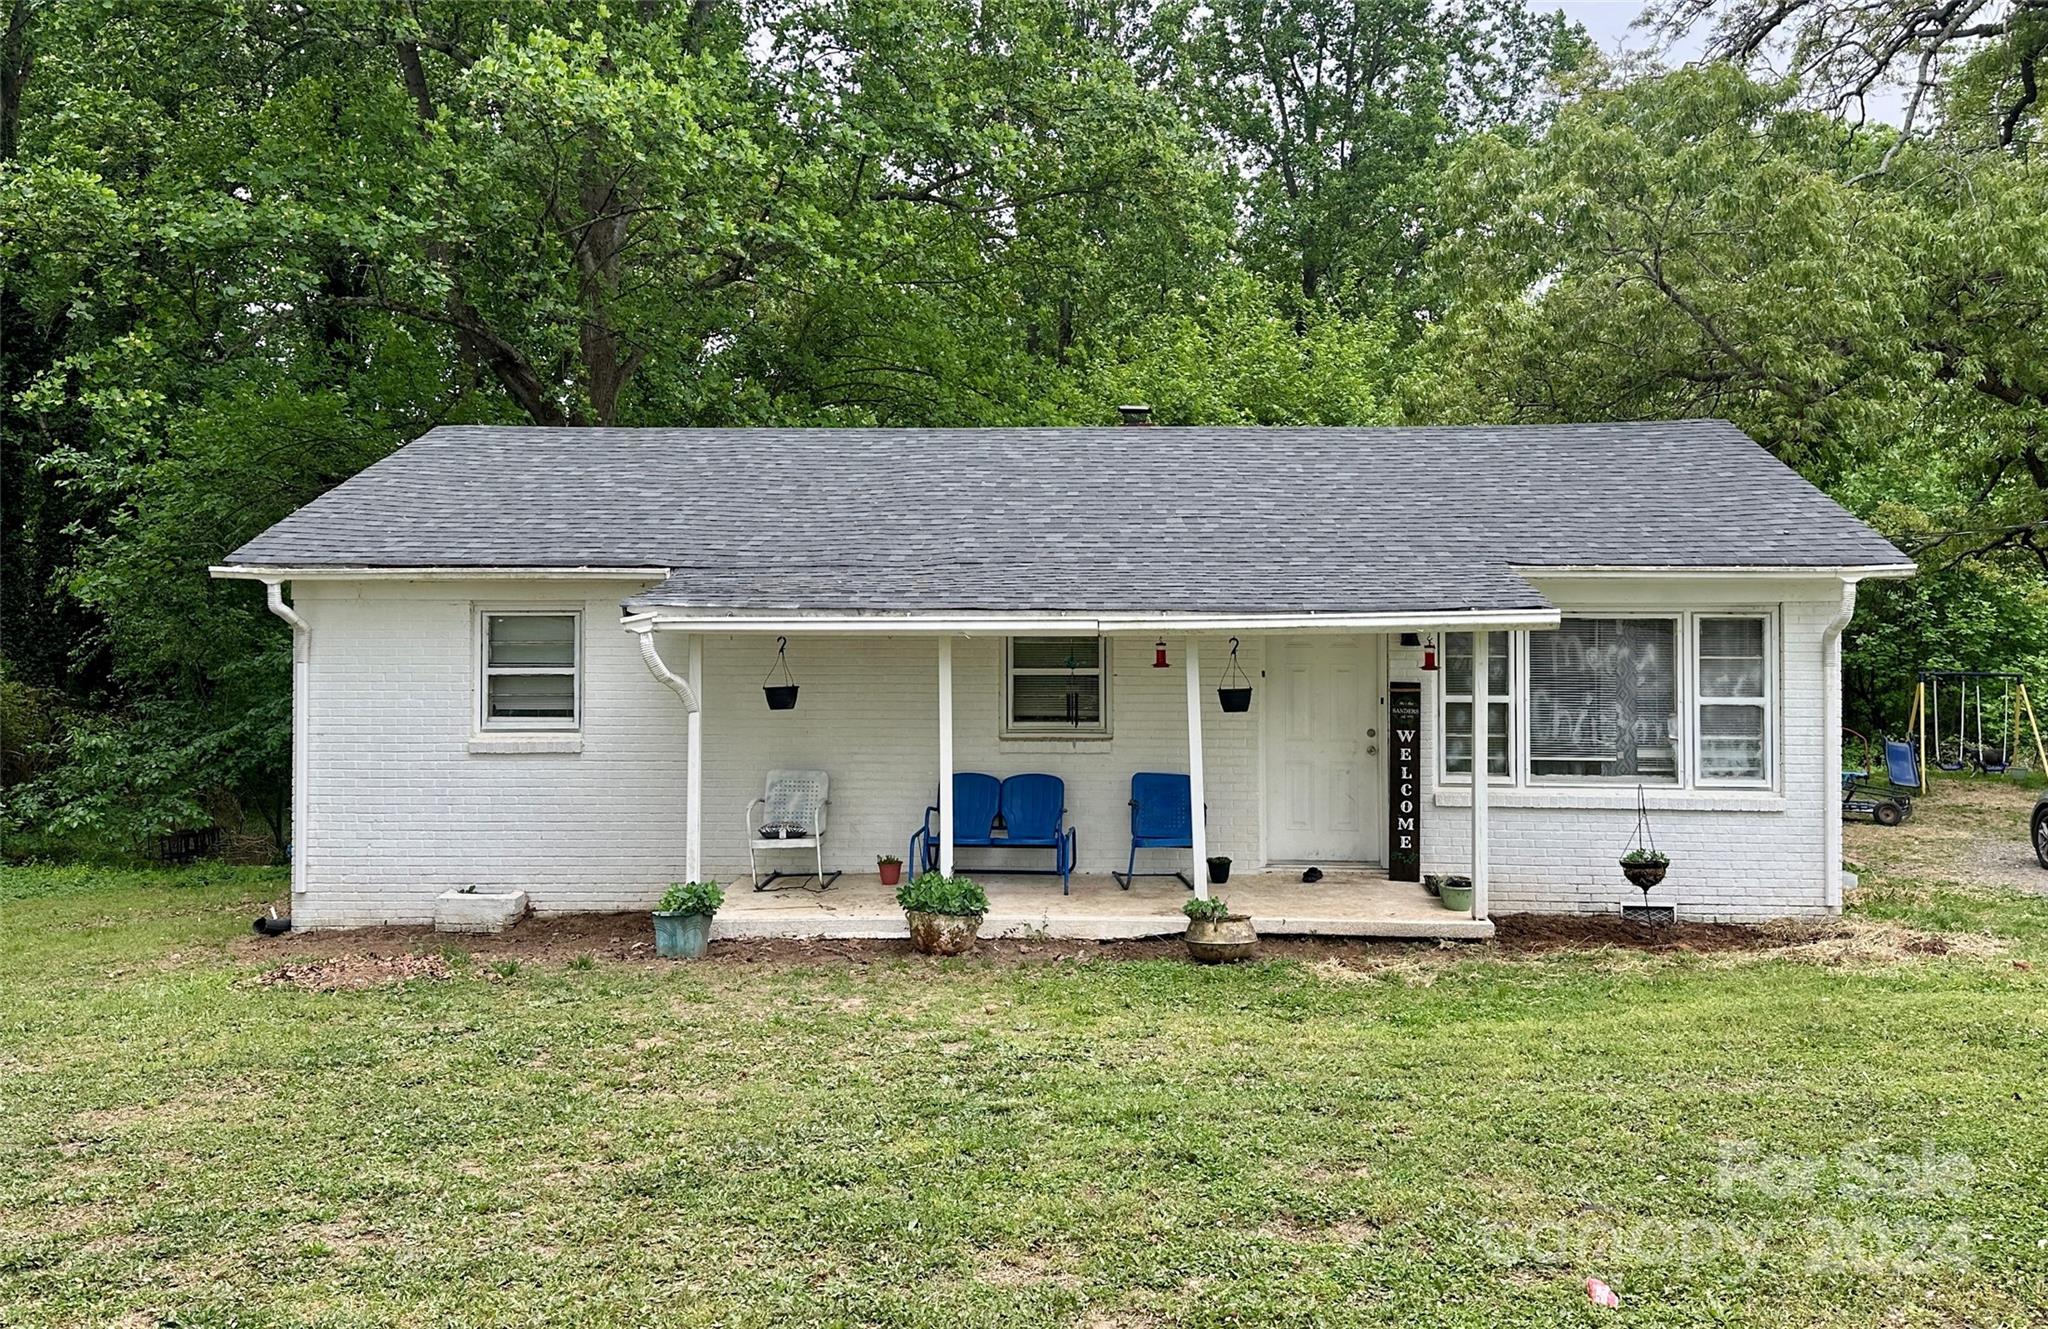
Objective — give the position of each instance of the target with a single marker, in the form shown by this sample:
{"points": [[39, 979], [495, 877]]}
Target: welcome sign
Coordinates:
{"points": [[1404, 787]]}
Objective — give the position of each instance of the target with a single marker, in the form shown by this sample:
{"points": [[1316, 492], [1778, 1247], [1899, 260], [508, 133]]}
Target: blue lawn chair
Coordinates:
{"points": [[976, 800], [1034, 817], [1162, 817]]}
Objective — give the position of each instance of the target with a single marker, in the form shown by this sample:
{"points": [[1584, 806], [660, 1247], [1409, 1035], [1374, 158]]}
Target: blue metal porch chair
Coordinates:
{"points": [[1031, 809], [1162, 817], [976, 800]]}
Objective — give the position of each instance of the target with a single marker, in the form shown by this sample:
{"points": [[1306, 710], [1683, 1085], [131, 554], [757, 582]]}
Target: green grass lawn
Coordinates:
{"points": [[1460, 1139]]}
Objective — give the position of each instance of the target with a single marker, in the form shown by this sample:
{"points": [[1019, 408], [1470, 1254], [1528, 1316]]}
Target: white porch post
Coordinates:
{"points": [[1482, 708], [1198, 797], [693, 798], [946, 756]]}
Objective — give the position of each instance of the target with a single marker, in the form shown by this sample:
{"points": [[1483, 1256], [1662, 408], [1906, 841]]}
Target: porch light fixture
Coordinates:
{"points": [[781, 696], [1159, 654], [1234, 689], [1429, 655]]}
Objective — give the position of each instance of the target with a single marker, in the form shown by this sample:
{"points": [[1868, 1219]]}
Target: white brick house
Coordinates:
{"points": [[509, 643]]}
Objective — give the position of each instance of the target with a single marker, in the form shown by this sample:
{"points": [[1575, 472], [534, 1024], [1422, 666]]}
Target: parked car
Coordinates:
{"points": [[2040, 825]]}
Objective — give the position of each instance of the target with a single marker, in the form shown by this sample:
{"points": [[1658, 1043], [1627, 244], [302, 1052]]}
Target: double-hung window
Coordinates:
{"points": [[529, 670], [1733, 684], [1604, 701], [1458, 679], [1056, 685]]}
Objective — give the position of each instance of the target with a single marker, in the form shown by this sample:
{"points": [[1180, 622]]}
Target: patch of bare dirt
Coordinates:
{"points": [[349, 973], [1971, 830], [364, 957]]}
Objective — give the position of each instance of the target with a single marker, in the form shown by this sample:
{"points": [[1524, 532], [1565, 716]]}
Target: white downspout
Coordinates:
{"points": [[1831, 748], [668, 678], [302, 639], [689, 692]]}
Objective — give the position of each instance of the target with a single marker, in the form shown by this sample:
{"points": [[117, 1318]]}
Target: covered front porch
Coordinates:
{"points": [[1345, 903], [893, 708]]}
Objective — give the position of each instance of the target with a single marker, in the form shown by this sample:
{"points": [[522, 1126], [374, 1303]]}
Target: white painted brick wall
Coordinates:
{"points": [[1736, 855], [400, 808]]}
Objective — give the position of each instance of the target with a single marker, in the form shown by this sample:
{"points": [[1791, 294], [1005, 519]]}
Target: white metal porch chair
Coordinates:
{"points": [[791, 815]]}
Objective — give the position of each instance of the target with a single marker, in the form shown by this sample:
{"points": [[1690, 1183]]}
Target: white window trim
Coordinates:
{"points": [[1681, 685], [485, 671], [1056, 729], [1769, 700], [1516, 698]]}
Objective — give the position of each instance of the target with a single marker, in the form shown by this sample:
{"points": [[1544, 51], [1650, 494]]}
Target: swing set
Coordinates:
{"points": [[1960, 738]]}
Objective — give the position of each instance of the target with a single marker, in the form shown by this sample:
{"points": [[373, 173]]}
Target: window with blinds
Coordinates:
{"points": [[1733, 682], [1603, 701], [530, 671], [1457, 692], [1056, 685]]}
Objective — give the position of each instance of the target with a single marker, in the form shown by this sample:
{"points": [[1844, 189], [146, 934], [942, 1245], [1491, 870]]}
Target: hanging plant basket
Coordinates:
{"points": [[1234, 693], [1644, 865], [781, 696], [1643, 875]]}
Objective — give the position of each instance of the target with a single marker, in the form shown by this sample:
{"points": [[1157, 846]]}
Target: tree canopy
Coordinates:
{"points": [[249, 248]]}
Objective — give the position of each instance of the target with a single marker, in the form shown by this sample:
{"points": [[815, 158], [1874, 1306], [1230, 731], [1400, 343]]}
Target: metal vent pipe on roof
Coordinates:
{"points": [[1134, 416]]}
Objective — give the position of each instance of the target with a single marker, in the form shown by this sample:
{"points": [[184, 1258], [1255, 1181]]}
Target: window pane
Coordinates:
{"points": [[1458, 664], [1042, 699], [1458, 669], [531, 696], [1458, 738], [1731, 742], [532, 640], [1732, 657], [1055, 652], [1603, 700]]}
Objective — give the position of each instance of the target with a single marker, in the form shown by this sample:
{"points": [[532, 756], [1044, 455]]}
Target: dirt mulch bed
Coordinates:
{"points": [[349, 973], [627, 938]]}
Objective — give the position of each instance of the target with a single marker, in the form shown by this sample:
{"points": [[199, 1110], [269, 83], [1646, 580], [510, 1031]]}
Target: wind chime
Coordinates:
{"points": [[781, 696], [1073, 693]]}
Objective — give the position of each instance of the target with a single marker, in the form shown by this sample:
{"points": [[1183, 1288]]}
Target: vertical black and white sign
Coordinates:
{"points": [[1404, 783]]}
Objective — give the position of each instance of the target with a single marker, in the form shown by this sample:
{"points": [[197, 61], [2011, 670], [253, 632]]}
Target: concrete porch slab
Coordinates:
{"points": [[1345, 903]]}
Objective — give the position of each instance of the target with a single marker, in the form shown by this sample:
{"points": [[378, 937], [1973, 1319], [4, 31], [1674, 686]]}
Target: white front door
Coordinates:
{"points": [[1323, 800]]}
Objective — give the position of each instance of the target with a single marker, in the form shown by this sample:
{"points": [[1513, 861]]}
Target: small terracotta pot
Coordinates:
{"points": [[1223, 940], [891, 873], [943, 934]]}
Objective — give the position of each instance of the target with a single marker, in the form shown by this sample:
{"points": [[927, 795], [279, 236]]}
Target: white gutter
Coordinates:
{"points": [[302, 643], [956, 624], [436, 572], [1831, 748], [667, 677], [1856, 571]]}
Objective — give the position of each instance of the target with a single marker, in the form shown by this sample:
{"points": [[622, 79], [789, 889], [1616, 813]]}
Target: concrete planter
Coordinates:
{"points": [[943, 934], [478, 911], [1222, 940], [681, 936]]}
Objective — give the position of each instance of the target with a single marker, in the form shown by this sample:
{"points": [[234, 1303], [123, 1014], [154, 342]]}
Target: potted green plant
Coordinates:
{"points": [[1644, 868], [1455, 893], [1217, 936], [891, 868], [682, 921], [945, 913]]}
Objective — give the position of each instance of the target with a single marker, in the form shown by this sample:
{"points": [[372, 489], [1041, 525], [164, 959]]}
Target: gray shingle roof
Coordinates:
{"points": [[1088, 520]]}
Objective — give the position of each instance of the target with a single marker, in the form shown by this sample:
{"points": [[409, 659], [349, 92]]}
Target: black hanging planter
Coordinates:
{"points": [[1234, 694], [1644, 865], [781, 696]]}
